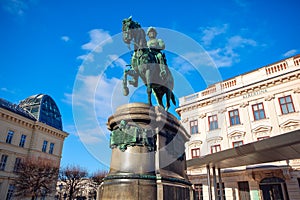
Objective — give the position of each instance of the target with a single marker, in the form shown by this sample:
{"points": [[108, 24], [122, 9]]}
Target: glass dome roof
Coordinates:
{"points": [[44, 109]]}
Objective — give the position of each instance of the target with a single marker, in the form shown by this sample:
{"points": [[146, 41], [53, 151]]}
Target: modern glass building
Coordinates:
{"points": [[44, 109]]}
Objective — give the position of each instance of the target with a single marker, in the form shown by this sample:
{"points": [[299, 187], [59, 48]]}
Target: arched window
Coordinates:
{"points": [[273, 188]]}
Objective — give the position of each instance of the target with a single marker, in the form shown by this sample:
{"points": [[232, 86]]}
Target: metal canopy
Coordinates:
{"points": [[277, 148]]}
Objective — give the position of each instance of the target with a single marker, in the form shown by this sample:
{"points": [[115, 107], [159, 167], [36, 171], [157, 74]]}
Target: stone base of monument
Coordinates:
{"points": [[148, 159]]}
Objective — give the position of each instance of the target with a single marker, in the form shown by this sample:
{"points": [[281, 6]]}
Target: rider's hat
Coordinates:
{"points": [[150, 29]]}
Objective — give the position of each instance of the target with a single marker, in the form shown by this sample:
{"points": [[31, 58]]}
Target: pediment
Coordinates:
{"points": [[236, 133], [262, 129], [216, 139], [290, 123], [195, 143]]}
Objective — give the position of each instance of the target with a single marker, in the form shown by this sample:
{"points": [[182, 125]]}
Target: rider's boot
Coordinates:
{"points": [[162, 66]]}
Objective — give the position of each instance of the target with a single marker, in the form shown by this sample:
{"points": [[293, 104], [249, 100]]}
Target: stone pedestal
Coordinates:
{"points": [[148, 159]]}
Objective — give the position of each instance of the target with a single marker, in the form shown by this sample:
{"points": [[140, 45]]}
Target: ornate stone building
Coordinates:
{"points": [[247, 108], [33, 128]]}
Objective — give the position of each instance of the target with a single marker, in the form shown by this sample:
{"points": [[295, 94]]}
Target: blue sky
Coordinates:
{"points": [[72, 51]]}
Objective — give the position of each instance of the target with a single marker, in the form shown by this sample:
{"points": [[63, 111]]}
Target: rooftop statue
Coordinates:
{"points": [[148, 62]]}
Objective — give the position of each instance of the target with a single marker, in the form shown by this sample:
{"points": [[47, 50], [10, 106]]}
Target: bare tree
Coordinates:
{"points": [[96, 179], [35, 177], [73, 180]]}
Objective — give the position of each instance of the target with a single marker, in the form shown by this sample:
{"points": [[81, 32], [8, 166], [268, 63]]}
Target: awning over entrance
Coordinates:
{"points": [[277, 148]]}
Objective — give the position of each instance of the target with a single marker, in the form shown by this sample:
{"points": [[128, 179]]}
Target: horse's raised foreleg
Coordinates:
{"points": [[135, 77], [125, 88], [149, 86]]}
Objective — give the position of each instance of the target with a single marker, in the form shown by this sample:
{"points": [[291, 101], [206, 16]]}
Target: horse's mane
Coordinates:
{"points": [[132, 24], [135, 24]]}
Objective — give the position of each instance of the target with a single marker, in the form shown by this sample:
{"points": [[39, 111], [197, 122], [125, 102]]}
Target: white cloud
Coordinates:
{"points": [[238, 42], [84, 94], [188, 62], [17, 7], [90, 136], [70, 128], [98, 38], [221, 59], [115, 60], [94, 95], [87, 57], [209, 33], [94, 99], [4, 89], [290, 53], [227, 55], [65, 38]]}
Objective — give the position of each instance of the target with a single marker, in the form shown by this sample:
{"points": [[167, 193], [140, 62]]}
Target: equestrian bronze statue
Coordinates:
{"points": [[148, 63]]}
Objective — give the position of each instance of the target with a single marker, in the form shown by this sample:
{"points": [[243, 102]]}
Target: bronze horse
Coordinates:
{"points": [[144, 64]]}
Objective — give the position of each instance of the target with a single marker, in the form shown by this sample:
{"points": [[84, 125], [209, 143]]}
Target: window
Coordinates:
{"points": [[234, 117], [194, 126], [244, 191], [9, 137], [51, 148], [213, 122], [219, 191], [17, 164], [10, 192], [237, 143], [3, 162], [258, 111], [22, 141], [195, 152], [286, 105], [44, 148], [198, 192], [215, 148]]}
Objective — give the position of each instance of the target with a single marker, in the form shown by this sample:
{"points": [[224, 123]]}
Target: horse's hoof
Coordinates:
{"points": [[125, 91]]}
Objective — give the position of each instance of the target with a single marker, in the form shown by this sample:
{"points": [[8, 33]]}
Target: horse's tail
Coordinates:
{"points": [[173, 98]]}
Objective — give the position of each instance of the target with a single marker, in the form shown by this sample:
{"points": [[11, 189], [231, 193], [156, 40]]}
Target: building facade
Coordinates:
{"points": [[250, 107], [31, 129]]}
